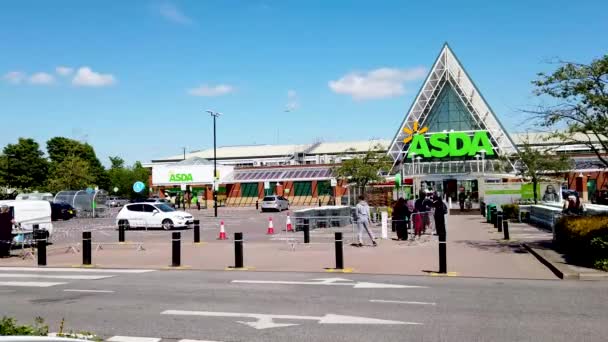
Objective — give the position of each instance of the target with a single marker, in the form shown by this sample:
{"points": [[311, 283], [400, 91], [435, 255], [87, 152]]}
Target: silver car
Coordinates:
{"points": [[274, 202]]}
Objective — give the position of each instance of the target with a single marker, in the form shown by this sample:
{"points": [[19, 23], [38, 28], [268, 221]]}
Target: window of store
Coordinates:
{"points": [[324, 188], [302, 188], [249, 190]]}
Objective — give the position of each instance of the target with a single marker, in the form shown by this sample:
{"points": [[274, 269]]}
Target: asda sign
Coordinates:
{"points": [[453, 144], [180, 177]]}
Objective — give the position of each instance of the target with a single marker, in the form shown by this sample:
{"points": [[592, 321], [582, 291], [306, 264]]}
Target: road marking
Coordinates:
{"points": [[59, 269], [95, 291], [27, 275], [29, 283], [331, 282], [265, 321], [400, 302], [132, 339], [185, 340]]}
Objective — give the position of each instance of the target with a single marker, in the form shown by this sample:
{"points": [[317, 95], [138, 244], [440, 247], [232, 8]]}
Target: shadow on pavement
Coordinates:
{"points": [[494, 247]]}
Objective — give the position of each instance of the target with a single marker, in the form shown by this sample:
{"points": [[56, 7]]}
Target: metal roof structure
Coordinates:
{"points": [[448, 72], [280, 174]]}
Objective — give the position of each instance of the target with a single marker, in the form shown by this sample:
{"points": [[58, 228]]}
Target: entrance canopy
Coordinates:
{"points": [[280, 174], [450, 128]]}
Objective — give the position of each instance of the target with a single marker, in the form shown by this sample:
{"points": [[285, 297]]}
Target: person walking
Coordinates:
{"points": [[400, 217], [6, 231], [461, 198], [363, 222]]}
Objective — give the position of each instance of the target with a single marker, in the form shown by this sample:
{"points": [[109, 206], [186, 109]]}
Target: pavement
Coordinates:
{"points": [[474, 248], [178, 305]]}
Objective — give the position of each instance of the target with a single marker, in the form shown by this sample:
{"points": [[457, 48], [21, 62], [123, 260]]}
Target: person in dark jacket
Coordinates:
{"points": [[6, 231], [401, 215], [439, 216]]}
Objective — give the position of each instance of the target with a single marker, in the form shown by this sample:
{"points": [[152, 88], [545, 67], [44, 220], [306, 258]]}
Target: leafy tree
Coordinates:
{"points": [[22, 165], [581, 95], [366, 168], [72, 173], [117, 162], [535, 165], [60, 148], [123, 177]]}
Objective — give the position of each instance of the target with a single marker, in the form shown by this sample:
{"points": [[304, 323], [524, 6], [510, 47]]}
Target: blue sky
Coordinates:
{"points": [[133, 78]]}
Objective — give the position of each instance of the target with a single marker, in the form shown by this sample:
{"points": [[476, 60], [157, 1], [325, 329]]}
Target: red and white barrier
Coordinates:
{"points": [[270, 230], [288, 224]]}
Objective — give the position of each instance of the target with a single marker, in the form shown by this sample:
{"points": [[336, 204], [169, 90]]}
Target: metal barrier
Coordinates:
{"points": [[319, 227]]}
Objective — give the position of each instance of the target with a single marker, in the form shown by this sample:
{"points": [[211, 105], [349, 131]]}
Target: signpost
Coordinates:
{"points": [[138, 187]]}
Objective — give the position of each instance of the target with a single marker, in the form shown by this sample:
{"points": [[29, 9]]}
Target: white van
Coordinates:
{"points": [[41, 196], [27, 214]]}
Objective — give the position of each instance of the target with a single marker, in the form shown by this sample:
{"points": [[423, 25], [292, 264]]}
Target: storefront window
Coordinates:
{"points": [[249, 190]]}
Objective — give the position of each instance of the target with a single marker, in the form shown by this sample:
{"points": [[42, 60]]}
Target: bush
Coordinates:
{"points": [[584, 239], [9, 327], [510, 211]]}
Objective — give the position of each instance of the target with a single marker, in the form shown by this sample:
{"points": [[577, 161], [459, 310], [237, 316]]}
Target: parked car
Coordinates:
{"points": [[274, 202], [62, 211], [153, 200], [152, 215], [567, 193], [116, 201]]}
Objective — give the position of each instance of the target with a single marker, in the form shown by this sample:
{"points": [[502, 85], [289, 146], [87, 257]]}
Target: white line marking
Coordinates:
{"points": [[265, 321], [85, 270], [357, 285], [95, 291], [132, 339], [29, 275], [400, 302], [29, 283], [197, 341]]}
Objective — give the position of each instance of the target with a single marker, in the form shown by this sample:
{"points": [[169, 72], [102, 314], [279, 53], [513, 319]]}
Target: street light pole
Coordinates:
{"points": [[215, 115]]}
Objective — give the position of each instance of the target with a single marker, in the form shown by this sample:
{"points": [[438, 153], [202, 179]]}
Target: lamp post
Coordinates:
{"points": [[413, 174], [477, 156], [419, 167], [483, 161], [215, 115]]}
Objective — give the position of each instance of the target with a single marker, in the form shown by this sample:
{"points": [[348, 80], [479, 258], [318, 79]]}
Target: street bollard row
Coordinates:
{"points": [[497, 219]]}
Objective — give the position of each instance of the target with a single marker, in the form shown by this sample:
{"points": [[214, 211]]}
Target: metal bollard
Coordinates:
{"points": [[176, 249], [121, 232], [443, 263], [257, 205], [493, 216], [499, 222], [339, 251], [40, 237], [505, 229], [319, 202], [197, 231], [482, 208], [306, 230], [238, 250], [86, 248]]}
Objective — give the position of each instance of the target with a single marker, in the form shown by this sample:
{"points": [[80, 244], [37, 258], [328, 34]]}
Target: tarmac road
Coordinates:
{"points": [[182, 304]]}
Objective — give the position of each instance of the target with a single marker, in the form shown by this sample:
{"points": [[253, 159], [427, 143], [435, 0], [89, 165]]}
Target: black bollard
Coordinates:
{"points": [[257, 205], [86, 248], [121, 232], [493, 217], [176, 252], [482, 208], [40, 237], [339, 251], [319, 202], [238, 250], [197, 231], [443, 263], [306, 230], [505, 229], [499, 222]]}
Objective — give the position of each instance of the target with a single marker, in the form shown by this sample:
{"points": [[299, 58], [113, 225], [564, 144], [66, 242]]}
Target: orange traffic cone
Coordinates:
{"points": [[270, 230], [222, 232], [289, 226]]}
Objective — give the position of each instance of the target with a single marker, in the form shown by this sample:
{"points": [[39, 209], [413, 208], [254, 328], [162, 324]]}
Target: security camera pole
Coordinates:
{"points": [[215, 115]]}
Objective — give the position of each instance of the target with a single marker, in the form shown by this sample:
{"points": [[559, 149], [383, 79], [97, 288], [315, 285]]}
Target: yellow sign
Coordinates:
{"points": [[412, 132]]}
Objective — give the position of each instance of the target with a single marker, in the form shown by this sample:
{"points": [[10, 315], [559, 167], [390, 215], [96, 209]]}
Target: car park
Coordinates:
{"points": [[274, 202], [152, 215], [27, 215], [62, 211]]}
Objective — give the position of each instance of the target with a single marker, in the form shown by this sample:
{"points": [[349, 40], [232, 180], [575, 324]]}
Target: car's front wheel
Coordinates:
{"points": [[167, 224]]}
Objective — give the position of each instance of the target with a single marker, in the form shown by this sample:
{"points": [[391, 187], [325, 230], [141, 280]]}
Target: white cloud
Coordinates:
{"points": [[14, 77], [88, 78], [41, 78], [172, 13], [64, 71], [205, 90], [292, 101], [377, 83]]}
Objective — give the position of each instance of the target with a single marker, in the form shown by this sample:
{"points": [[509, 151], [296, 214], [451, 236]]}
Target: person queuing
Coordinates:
{"points": [[6, 231], [363, 221], [400, 218], [440, 209], [421, 219]]}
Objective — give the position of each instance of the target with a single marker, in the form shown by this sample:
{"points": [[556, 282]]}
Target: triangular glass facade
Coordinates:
{"points": [[449, 113]]}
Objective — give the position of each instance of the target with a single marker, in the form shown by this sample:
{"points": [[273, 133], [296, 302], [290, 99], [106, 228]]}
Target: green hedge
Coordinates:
{"points": [[584, 239], [510, 211]]}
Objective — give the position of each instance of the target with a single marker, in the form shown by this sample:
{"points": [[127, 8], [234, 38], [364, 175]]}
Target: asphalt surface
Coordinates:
{"points": [[443, 308]]}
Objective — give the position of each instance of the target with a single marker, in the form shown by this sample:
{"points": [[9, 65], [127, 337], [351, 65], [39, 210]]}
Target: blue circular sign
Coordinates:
{"points": [[139, 186]]}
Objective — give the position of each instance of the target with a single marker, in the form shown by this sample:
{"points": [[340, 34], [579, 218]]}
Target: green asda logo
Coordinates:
{"points": [[180, 177], [455, 144]]}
